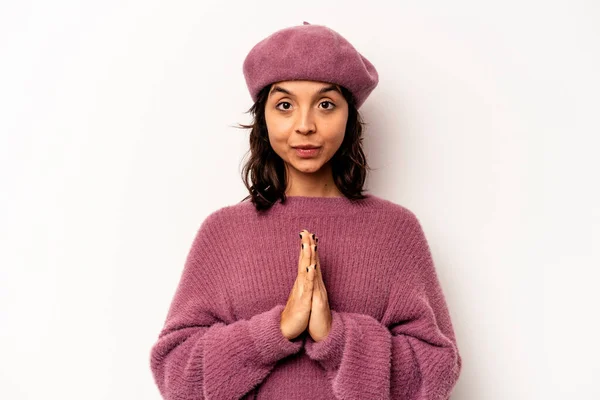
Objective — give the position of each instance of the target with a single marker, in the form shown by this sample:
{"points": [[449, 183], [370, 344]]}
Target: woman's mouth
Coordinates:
{"points": [[307, 153]]}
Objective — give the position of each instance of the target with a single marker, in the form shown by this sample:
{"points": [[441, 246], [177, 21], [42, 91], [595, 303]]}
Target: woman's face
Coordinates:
{"points": [[301, 113]]}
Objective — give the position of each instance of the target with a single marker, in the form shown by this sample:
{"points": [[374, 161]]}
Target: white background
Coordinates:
{"points": [[117, 139]]}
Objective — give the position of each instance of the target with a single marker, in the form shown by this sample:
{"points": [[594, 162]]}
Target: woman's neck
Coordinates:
{"points": [[323, 205], [317, 184]]}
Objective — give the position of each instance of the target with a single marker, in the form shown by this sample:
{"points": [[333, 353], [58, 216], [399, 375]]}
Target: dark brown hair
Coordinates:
{"points": [[264, 172]]}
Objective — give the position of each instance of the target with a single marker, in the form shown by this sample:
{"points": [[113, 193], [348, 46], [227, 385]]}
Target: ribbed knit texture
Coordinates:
{"points": [[391, 334]]}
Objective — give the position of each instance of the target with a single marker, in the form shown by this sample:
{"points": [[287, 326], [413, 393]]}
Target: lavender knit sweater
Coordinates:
{"points": [[391, 334]]}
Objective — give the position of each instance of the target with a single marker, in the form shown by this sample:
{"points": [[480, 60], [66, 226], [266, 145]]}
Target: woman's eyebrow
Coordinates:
{"points": [[329, 88], [324, 89]]}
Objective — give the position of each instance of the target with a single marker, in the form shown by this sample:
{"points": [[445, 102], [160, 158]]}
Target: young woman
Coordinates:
{"points": [[308, 288]]}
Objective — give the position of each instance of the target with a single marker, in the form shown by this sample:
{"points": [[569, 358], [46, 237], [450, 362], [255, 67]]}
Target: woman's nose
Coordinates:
{"points": [[305, 122]]}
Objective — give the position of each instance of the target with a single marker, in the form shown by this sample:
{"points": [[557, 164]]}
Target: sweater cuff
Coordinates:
{"points": [[329, 350], [270, 344]]}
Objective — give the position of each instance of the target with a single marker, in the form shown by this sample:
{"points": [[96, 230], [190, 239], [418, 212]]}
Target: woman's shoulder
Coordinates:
{"points": [[224, 215], [404, 220], [393, 209]]}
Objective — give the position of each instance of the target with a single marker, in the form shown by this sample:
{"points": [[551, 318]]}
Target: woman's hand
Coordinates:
{"points": [[295, 315], [319, 324]]}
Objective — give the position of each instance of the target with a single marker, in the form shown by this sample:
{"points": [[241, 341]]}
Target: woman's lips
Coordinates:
{"points": [[307, 153]]}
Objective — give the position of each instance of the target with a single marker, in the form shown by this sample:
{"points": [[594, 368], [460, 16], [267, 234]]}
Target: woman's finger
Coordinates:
{"points": [[319, 277], [318, 265], [300, 253], [305, 256], [307, 251], [311, 243]]}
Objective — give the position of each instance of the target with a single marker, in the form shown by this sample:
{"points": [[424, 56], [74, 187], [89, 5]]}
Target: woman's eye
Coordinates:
{"points": [[283, 102], [286, 105]]}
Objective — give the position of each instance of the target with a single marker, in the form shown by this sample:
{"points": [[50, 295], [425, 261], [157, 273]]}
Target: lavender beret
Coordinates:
{"points": [[309, 52]]}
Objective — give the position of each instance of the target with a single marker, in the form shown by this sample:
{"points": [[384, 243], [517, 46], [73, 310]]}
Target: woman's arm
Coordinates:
{"points": [[411, 353], [197, 355]]}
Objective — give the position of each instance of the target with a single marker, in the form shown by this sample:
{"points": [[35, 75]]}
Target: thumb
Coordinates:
{"points": [[311, 272], [310, 280]]}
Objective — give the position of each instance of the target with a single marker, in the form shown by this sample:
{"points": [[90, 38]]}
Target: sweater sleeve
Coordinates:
{"points": [[199, 356], [411, 354]]}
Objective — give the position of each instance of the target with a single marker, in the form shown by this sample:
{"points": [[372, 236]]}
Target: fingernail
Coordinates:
{"points": [[315, 247], [313, 236], [317, 240], [302, 245], [306, 269], [300, 235], [315, 266]]}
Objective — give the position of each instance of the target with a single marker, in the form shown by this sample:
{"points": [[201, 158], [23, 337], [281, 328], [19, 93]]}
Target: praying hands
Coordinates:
{"points": [[307, 305]]}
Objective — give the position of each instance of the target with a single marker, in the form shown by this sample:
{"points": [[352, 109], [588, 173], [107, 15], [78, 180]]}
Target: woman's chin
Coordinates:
{"points": [[307, 166]]}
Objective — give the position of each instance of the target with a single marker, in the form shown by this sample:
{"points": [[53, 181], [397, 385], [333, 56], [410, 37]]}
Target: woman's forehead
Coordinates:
{"points": [[298, 86]]}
